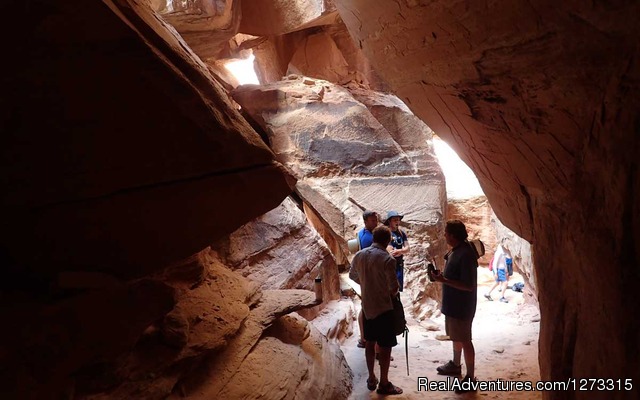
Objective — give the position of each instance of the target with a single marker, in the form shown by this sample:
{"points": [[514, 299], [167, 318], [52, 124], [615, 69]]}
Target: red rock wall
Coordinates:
{"points": [[540, 99], [120, 153], [119, 156], [476, 214]]}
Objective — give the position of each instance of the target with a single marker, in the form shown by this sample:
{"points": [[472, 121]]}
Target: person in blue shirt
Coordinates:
{"points": [[365, 235], [399, 245], [365, 238]]}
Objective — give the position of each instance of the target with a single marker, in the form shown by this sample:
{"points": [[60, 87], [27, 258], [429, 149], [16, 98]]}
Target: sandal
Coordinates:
{"points": [[371, 385], [389, 388], [362, 344]]}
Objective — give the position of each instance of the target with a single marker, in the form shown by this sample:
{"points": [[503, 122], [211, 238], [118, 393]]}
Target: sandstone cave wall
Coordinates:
{"points": [[121, 160], [540, 99]]}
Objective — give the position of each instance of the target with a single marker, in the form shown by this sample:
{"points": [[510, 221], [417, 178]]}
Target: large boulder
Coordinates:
{"points": [[112, 171], [347, 161], [318, 56], [542, 104], [173, 336], [277, 17], [281, 250]]}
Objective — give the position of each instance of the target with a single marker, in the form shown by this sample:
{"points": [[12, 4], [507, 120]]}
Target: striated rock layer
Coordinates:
{"points": [[281, 250], [542, 103], [351, 151]]}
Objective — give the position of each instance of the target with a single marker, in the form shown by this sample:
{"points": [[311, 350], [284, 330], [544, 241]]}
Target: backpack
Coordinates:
{"points": [[399, 321], [518, 287], [477, 246], [400, 324], [509, 263]]}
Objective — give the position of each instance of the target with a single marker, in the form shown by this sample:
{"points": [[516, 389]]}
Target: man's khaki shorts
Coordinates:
{"points": [[459, 330]]}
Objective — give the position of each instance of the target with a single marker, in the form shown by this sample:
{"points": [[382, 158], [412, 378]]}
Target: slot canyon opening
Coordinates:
{"points": [[504, 333], [164, 224]]}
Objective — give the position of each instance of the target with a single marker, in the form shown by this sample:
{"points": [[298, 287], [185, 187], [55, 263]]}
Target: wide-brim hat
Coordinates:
{"points": [[391, 214]]}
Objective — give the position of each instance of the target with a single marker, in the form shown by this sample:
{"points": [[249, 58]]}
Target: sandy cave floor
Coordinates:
{"points": [[505, 336]]}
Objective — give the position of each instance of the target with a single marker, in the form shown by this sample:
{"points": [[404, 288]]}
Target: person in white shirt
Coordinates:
{"points": [[499, 268]]}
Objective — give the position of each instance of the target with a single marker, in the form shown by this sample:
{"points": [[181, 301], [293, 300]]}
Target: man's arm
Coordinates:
{"points": [[467, 283], [353, 273]]}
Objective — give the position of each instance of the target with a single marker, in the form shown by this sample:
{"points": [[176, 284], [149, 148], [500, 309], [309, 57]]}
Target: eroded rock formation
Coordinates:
{"points": [[352, 155], [476, 214], [281, 250], [212, 342], [542, 104]]}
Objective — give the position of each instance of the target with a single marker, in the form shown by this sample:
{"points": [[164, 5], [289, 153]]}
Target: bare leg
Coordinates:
{"points": [[370, 354], [492, 287], [469, 357], [504, 287], [360, 325], [457, 352], [385, 361]]}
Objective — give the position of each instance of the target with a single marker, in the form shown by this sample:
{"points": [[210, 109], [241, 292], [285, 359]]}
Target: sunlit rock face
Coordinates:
{"points": [[352, 152], [206, 25], [476, 214], [542, 104], [277, 17], [281, 250]]}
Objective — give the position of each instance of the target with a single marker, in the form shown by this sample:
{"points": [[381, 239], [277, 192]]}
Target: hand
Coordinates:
{"points": [[395, 252], [436, 276]]}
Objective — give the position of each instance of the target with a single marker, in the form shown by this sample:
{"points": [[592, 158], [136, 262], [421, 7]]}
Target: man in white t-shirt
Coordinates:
{"points": [[499, 268]]}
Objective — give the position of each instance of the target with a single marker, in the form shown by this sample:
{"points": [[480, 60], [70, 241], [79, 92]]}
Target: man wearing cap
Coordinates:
{"points": [[399, 245]]}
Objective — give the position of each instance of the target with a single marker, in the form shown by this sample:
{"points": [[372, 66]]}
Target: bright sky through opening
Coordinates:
{"points": [[243, 70], [461, 181]]}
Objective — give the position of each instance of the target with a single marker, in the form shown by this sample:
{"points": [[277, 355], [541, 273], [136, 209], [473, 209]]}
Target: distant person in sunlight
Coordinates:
{"points": [[374, 269], [500, 271], [399, 245], [365, 239], [459, 291]]}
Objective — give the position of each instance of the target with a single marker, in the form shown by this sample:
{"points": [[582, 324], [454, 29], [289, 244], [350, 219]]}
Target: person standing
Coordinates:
{"points": [[374, 269], [500, 272], [459, 297], [399, 245], [365, 239]]}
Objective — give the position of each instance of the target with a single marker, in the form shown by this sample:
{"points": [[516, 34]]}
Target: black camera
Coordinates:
{"points": [[431, 270]]}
